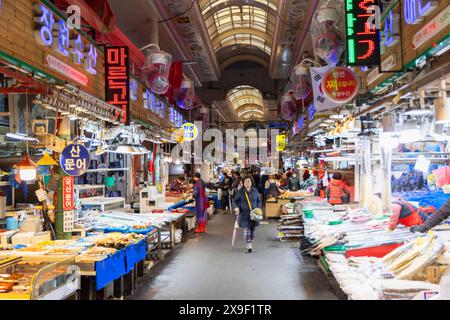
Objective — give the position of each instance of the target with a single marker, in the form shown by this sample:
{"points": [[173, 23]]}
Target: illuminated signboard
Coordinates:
{"points": [[133, 90], [281, 142], [311, 112], [190, 131], [415, 10], [391, 29], [54, 33], [68, 192], [340, 85], [74, 159], [117, 80], [363, 39], [301, 122]]}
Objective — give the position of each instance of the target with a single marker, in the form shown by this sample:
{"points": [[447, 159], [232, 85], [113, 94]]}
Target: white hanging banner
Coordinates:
{"points": [[422, 164], [320, 101]]}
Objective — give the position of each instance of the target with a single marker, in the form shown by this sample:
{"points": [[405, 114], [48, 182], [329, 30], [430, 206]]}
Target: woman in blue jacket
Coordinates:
{"points": [[242, 209]]}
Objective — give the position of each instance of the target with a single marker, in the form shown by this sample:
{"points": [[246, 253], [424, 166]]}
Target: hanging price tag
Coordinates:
{"points": [[69, 220]]}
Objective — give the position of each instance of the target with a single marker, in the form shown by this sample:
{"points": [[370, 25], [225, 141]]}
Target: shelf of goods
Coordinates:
{"points": [[367, 261]]}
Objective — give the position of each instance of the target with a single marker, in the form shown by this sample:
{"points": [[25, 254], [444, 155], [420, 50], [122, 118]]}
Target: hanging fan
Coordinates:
{"points": [[288, 106], [329, 14], [326, 47], [301, 83], [201, 114], [184, 95], [156, 71]]}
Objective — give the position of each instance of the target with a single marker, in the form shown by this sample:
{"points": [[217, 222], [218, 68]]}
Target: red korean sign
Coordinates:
{"points": [[68, 193], [340, 85], [117, 80]]}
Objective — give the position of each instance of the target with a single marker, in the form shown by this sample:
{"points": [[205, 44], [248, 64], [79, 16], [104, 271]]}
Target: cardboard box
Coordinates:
{"points": [[31, 224], [173, 199], [29, 238], [434, 273], [273, 210]]}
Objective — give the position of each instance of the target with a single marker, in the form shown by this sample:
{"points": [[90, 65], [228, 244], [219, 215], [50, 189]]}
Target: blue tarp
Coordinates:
{"points": [[135, 253], [141, 231], [110, 269], [215, 198], [430, 198]]}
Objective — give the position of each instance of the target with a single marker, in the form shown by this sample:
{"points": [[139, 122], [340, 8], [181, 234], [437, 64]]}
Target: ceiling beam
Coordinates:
{"points": [[301, 39], [245, 106], [276, 37], [244, 57], [221, 36]]}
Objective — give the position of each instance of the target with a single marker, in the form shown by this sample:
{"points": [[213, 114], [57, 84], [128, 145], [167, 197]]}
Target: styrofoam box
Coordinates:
{"points": [[28, 238]]}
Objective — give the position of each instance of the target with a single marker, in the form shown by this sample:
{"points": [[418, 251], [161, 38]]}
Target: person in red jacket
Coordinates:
{"points": [[337, 191], [406, 214]]}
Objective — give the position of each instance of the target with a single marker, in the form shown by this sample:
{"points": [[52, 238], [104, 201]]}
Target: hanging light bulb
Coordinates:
{"points": [[27, 168]]}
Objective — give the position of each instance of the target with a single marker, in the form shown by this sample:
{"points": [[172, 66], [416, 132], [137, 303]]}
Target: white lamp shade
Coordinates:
{"points": [[27, 174]]}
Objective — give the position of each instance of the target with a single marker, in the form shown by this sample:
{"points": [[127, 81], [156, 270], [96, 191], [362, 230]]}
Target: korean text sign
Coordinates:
{"points": [[68, 193], [117, 80], [52, 32], [74, 159], [340, 85], [363, 39]]}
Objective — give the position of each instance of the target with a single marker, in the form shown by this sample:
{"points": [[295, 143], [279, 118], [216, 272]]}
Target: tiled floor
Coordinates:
{"points": [[206, 267]]}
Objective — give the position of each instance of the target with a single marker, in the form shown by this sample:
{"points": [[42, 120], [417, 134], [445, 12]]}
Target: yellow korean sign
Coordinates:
{"points": [[281, 142], [190, 131]]}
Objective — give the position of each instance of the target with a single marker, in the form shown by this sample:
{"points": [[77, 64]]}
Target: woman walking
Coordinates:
{"points": [[247, 199]]}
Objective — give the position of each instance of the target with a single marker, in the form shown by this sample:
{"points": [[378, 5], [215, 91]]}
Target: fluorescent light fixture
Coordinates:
{"points": [[21, 137], [129, 149], [417, 112]]}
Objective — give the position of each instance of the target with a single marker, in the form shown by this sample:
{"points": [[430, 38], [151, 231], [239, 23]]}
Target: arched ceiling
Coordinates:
{"points": [[247, 102], [240, 23]]}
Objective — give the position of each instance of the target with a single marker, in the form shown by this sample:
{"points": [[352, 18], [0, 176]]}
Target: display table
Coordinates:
{"points": [[364, 261], [40, 277], [120, 269], [103, 203]]}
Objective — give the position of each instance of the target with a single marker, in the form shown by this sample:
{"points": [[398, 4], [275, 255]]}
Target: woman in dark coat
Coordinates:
{"points": [[242, 209]]}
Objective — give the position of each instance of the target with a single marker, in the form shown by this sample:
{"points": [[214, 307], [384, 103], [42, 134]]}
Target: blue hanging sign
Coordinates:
{"points": [[103, 167], [278, 124], [74, 159], [311, 112]]}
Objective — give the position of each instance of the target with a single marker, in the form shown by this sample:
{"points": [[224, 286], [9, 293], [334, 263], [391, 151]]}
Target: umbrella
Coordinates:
{"points": [[235, 231]]}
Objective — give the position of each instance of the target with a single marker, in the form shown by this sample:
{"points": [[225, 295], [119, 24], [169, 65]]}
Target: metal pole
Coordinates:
{"points": [[59, 213]]}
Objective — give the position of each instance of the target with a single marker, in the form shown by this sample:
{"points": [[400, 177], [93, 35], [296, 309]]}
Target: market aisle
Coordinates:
{"points": [[205, 267]]}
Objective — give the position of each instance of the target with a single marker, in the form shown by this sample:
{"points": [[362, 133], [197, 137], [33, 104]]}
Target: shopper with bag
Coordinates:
{"points": [[247, 204]]}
